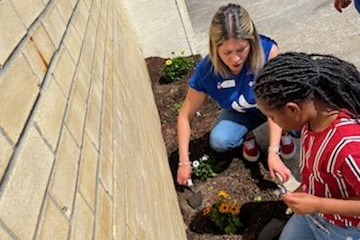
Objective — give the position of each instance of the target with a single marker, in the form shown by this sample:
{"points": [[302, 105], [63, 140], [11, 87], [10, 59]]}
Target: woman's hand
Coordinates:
{"points": [[183, 174], [193, 101], [276, 165], [302, 203]]}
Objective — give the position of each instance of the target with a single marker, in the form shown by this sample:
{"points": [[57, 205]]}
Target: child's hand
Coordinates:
{"points": [[276, 165], [301, 202]]}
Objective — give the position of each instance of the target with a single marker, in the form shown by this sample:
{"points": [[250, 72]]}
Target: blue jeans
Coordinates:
{"points": [[314, 227], [230, 128]]}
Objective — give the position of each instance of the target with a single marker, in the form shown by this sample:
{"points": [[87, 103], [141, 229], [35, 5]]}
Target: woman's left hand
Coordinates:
{"points": [[302, 203], [277, 166]]}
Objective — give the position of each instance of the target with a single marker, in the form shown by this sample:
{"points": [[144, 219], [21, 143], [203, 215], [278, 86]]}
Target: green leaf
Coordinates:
{"points": [[230, 229], [236, 221]]}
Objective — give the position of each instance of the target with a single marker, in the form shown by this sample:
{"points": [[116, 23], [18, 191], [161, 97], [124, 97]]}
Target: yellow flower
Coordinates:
{"points": [[182, 52], [235, 209], [206, 211], [223, 208], [223, 194], [168, 62]]}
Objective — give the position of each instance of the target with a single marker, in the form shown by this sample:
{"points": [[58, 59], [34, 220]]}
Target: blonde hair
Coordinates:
{"points": [[233, 21]]}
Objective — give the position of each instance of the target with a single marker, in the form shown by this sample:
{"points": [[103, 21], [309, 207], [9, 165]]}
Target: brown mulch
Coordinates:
{"points": [[242, 181], [167, 96]]}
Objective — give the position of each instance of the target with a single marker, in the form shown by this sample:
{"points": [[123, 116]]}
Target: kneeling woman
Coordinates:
{"points": [[237, 52]]}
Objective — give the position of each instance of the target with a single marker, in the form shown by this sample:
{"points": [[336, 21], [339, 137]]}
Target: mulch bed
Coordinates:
{"points": [[241, 180]]}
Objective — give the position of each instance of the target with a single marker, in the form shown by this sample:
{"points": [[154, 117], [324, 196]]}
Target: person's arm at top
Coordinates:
{"points": [[341, 4], [193, 101], [274, 161]]}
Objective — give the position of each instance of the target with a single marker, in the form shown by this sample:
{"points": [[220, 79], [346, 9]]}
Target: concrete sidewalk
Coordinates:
{"points": [[307, 25], [312, 26]]}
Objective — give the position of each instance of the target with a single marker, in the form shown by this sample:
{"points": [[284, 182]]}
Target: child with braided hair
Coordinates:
{"points": [[320, 95]]}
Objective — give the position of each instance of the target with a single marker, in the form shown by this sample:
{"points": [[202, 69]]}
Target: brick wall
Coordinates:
{"points": [[81, 152]]}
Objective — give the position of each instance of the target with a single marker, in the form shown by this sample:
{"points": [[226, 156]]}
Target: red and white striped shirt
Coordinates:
{"points": [[330, 163]]}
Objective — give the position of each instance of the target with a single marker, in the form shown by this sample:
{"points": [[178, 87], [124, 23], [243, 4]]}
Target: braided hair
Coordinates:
{"points": [[294, 77]]}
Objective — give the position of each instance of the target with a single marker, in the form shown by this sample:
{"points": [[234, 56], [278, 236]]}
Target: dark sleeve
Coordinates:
{"points": [[267, 44], [197, 78]]}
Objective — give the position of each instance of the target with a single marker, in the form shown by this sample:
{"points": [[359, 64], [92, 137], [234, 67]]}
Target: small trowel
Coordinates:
{"points": [[195, 199], [289, 186]]}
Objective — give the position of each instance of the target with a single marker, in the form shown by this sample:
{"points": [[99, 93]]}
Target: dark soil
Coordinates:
{"points": [[243, 181]]}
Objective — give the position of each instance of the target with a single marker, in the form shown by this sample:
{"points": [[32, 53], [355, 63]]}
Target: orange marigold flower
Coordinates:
{"points": [[206, 211], [224, 208], [235, 209], [223, 194]]}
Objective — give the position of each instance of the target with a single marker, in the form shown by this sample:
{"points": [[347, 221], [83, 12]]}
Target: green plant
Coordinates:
{"points": [[175, 68], [202, 168], [224, 213], [177, 106]]}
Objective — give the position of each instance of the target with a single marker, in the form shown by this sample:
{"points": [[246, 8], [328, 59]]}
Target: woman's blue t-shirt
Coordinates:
{"points": [[239, 96]]}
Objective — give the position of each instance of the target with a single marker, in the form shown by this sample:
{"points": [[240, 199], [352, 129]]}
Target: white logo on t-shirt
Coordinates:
{"points": [[242, 105]]}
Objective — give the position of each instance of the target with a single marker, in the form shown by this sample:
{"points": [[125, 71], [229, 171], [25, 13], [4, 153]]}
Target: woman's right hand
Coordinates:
{"points": [[193, 101], [183, 174]]}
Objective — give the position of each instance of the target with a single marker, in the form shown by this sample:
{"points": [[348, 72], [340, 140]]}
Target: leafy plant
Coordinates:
{"points": [[224, 213], [202, 168], [177, 106], [175, 68]]}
